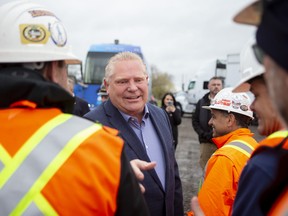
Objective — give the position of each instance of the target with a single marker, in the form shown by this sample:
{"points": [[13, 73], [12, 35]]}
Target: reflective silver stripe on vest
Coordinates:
{"points": [[39, 158], [32, 210], [1, 166], [242, 146]]}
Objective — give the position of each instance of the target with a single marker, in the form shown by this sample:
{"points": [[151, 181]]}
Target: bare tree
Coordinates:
{"points": [[161, 82]]}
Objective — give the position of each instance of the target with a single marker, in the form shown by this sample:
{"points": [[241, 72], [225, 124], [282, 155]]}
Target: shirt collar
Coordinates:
{"points": [[145, 116]]}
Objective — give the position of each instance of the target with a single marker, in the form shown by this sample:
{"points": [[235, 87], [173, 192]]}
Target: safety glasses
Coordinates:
{"points": [[258, 52]]}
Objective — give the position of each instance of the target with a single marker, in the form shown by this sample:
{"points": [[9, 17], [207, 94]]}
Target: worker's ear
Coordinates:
{"points": [[231, 120], [56, 71], [50, 71], [106, 84]]}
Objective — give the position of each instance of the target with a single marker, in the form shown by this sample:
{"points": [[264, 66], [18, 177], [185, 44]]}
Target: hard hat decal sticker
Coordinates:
{"points": [[224, 102], [37, 13], [34, 34], [58, 34], [236, 104], [236, 101], [244, 107]]}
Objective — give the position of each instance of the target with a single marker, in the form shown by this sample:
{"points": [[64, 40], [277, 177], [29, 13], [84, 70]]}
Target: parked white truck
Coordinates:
{"points": [[228, 69]]}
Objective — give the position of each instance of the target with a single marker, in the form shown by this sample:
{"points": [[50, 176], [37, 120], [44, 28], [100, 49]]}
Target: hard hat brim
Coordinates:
{"points": [[215, 108], [250, 15], [244, 85], [102, 94], [20, 57], [206, 107], [72, 61]]}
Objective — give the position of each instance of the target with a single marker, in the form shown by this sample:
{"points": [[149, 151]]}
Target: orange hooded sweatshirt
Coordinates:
{"points": [[223, 170]]}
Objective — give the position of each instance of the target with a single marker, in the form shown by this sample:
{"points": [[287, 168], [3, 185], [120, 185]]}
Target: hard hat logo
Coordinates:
{"points": [[58, 34], [34, 34]]}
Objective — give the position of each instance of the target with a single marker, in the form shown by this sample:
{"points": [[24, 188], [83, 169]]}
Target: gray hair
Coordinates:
{"points": [[216, 78], [122, 56]]}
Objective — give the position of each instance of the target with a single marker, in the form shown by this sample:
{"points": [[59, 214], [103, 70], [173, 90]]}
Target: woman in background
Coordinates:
{"points": [[168, 103]]}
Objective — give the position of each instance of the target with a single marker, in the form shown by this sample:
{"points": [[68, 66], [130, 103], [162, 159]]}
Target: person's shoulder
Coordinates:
{"points": [[266, 160], [106, 137], [157, 113], [81, 122], [235, 150], [218, 161], [206, 96], [204, 99], [80, 100], [155, 109], [92, 114], [107, 131]]}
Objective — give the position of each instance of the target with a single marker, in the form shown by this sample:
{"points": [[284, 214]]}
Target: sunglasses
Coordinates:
{"points": [[258, 52]]}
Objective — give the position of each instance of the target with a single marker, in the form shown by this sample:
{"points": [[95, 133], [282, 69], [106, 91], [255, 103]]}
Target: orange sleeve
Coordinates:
{"points": [[218, 191]]}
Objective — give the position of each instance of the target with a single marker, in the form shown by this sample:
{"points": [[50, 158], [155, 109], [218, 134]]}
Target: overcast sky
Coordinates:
{"points": [[178, 36]]}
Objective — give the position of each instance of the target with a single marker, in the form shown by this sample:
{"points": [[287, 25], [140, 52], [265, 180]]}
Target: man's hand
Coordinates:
{"points": [[139, 165], [195, 207]]}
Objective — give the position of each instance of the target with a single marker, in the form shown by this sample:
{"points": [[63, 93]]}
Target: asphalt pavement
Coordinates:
{"points": [[187, 156]]}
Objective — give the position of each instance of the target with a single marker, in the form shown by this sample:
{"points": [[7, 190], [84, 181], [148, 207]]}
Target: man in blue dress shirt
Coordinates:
{"points": [[145, 129]]}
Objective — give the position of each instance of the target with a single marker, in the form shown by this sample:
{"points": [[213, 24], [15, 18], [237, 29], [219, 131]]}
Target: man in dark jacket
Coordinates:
{"points": [[200, 121], [146, 130]]}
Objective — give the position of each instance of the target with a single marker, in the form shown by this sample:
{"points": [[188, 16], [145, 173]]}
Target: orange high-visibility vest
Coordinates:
{"points": [[223, 170], [280, 207], [271, 141], [57, 164]]}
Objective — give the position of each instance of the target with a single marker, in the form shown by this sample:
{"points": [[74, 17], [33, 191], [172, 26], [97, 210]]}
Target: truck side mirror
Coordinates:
{"points": [[205, 84]]}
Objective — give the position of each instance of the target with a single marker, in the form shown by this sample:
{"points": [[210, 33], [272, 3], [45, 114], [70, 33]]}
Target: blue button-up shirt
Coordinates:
{"points": [[148, 136]]}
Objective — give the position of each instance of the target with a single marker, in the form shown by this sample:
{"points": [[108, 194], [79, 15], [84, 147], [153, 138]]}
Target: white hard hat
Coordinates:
{"points": [[231, 102], [31, 33], [249, 67]]}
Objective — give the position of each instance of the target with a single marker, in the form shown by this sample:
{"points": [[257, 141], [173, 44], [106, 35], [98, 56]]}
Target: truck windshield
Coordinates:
{"points": [[191, 85], [95, 66], [75, 70]]}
